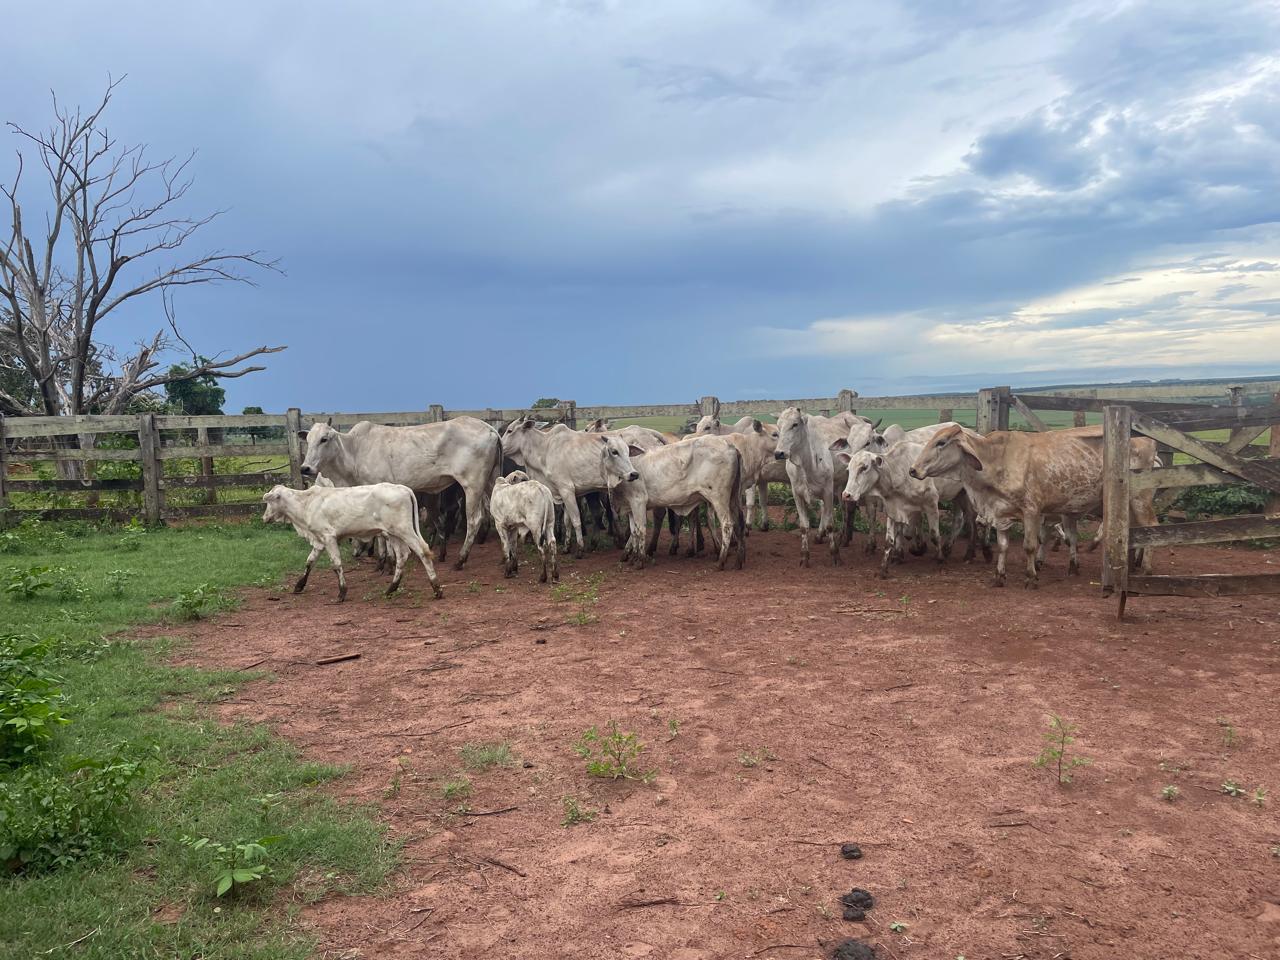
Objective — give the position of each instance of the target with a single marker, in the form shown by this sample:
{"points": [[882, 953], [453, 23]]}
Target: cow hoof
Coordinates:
{"points": [[342, 595], [543, 578], [509, 573], [998, 581], [1073, 569], [1031, 584], [298, 587], [390, 591], [437, 593]]}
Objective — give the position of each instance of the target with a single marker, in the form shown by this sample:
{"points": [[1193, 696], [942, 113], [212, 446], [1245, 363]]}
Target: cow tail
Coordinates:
{"points": [[737, 489], [413, 498], [495, 471]]}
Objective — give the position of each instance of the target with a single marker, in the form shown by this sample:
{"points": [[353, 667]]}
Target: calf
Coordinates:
{"points": [[324, 514], [518, 506], [758, 474]]}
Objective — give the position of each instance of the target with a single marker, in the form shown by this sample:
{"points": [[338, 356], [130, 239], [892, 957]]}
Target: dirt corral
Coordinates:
{"points": [[786, 711]]}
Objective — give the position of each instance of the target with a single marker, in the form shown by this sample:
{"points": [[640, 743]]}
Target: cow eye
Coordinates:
{"points": [[613, 453], [324, 439], [941, 443]]}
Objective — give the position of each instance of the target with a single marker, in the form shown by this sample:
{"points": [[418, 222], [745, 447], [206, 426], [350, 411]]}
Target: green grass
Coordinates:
{"points": [[202, 778], [482, 756]]}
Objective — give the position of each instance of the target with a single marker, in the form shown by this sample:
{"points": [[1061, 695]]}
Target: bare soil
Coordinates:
{"points": [[785, 712]]}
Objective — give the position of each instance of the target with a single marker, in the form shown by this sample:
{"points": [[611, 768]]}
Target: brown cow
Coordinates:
{"points": [[1013, 476]]}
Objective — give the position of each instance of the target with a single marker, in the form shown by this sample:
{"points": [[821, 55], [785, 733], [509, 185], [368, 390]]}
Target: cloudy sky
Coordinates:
{"points": [[482, 203]]}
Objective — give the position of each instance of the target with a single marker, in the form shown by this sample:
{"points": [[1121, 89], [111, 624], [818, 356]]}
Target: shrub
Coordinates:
{"points": [[1221, 501], [52, 817], [193, 604], [613, 754], [30, 697], [27, 584]]}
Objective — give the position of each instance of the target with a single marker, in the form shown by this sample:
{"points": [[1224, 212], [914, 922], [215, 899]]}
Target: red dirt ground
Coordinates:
{"points": [[902, 715]]}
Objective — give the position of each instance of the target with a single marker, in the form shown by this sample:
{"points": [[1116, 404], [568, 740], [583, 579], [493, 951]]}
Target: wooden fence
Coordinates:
{"points": [[1216, 464], [161, 444]]}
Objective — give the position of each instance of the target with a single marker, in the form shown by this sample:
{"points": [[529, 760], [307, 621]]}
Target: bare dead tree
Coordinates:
{"points": [[113, 232]]}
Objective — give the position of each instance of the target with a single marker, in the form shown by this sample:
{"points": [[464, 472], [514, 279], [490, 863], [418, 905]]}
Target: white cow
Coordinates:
{"points": [[905, 499], [804, 442], [426, 459], [680, 478], [324, 514], [758, 475], [519, 505], [570, 463]]}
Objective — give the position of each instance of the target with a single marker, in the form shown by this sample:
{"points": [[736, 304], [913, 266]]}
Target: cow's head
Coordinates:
{"points": [[599, 425], [515, 476], [616, 455], [322, 447], [947, 452], [514, 437], [864, 470], [708, 425], [791, 432], [765, 431], [274, 499]]}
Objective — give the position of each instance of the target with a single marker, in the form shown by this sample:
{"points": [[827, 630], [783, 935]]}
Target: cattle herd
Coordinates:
{"points": [[379, 485]]}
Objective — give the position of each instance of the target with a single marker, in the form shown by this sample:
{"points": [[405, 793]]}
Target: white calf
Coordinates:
{"points": [[324, 514], [518, 506]]}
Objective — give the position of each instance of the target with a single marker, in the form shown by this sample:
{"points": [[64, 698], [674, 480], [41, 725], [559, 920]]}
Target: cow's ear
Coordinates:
{"points": [[879, 461], [844, 457], [527, 425], [634, 451], [603, 439], [839, 445], [757, 426], [330, 421], [302, 434], [970, 457]]}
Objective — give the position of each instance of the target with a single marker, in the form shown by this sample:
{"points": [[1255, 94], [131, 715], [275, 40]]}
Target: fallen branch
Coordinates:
{"points": [[490, 813], [434, 667], [656, 902], [897, 686], [1008, 823], [505, 866], [250, 666], [74, 942], [779, 946], [324, 661]]}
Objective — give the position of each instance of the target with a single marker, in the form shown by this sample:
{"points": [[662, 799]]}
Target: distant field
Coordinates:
{"points": [[910, 419]]}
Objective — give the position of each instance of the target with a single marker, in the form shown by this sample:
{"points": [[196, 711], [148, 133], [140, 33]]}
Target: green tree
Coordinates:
{"points": [[194, 395], [543, 403]]}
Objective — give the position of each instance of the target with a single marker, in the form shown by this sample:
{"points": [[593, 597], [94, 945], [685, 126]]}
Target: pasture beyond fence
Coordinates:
{"points": [[161, 467]]}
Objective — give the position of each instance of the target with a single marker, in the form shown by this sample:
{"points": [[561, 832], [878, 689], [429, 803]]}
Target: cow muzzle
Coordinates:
{"points": [[307, 471], [634, 475], [779, 455], [915, 474]]}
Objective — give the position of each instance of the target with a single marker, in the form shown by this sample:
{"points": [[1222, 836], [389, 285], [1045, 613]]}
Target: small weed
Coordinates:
{"points": [[31, 699], [397, 779], [1058, 738], [458, 789], [192, 604], [585, 593], [898, 927], [721, 896], [574, 812], [749, 759], [238, 864], [1169, 793], [1232, 789], [482, 756], [613, 754], [116, 580], [1229, 735], [1259, 796], [29, 583], [673, 728], [473, 586]]}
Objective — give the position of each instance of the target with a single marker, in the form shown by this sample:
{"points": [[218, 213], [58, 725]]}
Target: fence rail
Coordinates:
{"points": [[160, 444]]}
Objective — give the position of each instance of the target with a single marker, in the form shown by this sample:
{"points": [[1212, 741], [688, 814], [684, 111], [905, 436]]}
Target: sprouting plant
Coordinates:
{"points": [[673, 728], [898, 927], [1259, 796], [1229, 735], [473, 586], [239, 863], [116, 580], [397, 778], [1058, 738], [585, 593], [482, 756], [574, 812], [458, 789], [1169, 793], [749, 759], [613, 754], [721, 896], [27, 584], [192, 604], [1232, 789]]}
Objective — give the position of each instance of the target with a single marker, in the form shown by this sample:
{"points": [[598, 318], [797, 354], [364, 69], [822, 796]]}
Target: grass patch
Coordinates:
{"points": [[134, 888], [482, 756]]}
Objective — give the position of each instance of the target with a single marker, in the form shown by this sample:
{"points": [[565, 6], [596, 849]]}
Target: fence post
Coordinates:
{"points": [[570, 415], [1117, 425], [1002, 407], [946, 415], [986, 409], [1079, 419], [148, 450], [844, 400], [436, 412], [206, 466], [1272, 509], [4, 472], [1237, 400], [292, 435]]}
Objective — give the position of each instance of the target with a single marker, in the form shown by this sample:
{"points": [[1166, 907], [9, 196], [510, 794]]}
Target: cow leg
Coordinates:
{"points": [[510, 542], [659, 517], [1143, 511], [871, 510], [849, 512], [422, 550], [1071, 533], [475, 516], [555, 559], [802, 520], [306, 574], [1002, 547], [335, 558], [399, 551], [573, 522], [699, 545], [935, 529], [890, 545], [1030, 548]]}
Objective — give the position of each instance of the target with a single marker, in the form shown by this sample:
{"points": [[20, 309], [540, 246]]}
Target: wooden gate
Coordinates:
{"points": [[1218, 464]]}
